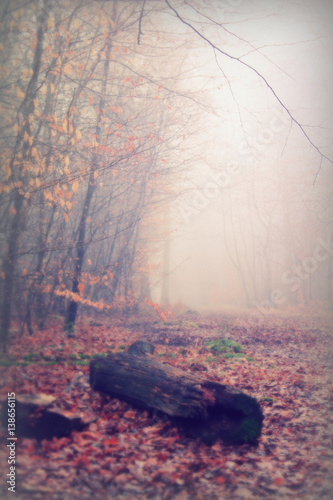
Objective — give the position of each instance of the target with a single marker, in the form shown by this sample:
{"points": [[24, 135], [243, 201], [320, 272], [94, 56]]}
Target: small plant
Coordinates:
{"points": [[171, 355], [191, 324], [210, 359], [7, 362], [32, 356], [56, 316], [122, 347], [233, 355], [267, 400], [84, 356], [224, 345]]}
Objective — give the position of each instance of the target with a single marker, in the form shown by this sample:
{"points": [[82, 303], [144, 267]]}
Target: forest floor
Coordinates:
{"points": [[126, 453]]}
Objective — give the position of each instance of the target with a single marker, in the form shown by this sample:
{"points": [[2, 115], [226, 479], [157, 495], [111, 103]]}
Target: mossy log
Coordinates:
{"points": [[202, 408]]}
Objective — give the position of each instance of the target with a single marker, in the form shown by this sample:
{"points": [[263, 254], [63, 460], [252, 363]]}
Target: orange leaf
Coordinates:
{"points": [[75, 186], [80, 287], [279, 481], [220, 480]]}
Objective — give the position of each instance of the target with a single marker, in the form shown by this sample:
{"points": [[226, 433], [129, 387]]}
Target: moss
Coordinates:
{"points": [[267, 400], [249, 430], [7, 362], [56, 316], [224, 345], [32, 356], [84, 356], [229, 355], [191, 324]]}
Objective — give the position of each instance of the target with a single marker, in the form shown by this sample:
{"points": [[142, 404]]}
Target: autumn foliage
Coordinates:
{"points": [[284, 365], [83, 160]]}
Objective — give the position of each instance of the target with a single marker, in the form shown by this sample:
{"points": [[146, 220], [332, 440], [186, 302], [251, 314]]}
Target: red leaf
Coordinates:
{"points": [[220, 480], [279, 481], [112, 441]]}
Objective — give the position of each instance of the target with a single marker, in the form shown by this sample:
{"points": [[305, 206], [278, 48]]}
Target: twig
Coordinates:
{"points": [[140, 21]]}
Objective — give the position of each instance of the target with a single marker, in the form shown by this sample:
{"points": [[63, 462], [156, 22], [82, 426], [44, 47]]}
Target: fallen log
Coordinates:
{"points": [[35, 417], [202, 408]]}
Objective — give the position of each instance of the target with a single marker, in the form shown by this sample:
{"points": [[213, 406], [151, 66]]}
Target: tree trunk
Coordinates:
{"points": [[200, 407], [81, 244], [26, 110]]}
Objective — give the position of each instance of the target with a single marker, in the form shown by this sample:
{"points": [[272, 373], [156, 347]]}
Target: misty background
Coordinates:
{"points": [[258, 196], [173, 152]]}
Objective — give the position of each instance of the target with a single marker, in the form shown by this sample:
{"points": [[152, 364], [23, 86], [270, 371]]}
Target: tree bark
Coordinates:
{"points": [[26, 110], [71, 312], [200, 407]]}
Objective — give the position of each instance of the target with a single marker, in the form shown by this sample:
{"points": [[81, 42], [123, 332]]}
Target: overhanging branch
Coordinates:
{"points": [[268, 85]]}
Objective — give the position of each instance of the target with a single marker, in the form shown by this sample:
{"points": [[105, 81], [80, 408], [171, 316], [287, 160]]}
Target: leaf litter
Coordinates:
{"points": [[126, 453]]}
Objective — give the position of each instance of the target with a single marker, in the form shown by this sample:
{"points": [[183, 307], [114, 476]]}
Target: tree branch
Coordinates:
{"points": [[140, 21], [268, 85]]}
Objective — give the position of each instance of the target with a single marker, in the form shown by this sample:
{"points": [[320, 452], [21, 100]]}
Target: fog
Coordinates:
{"points": [[252, 223], [175, 152]]}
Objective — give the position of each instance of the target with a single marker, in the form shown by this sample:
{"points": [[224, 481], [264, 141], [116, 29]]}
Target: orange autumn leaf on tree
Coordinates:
{"points": [[75, 186], [80, 287]]}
